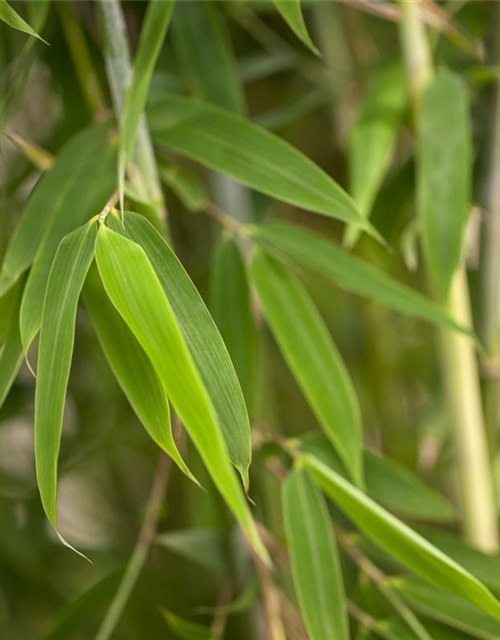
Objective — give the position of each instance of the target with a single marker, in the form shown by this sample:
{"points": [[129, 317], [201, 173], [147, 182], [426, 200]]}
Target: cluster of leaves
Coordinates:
{"points": [[75, 241]]}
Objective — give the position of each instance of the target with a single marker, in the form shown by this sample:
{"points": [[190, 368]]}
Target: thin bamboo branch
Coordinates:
{"points": [[459, 364], [141, 549]]}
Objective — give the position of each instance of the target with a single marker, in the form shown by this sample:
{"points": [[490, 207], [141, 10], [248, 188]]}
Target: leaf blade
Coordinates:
{"points": [[291, 11], [14, 20], [314, 556]]}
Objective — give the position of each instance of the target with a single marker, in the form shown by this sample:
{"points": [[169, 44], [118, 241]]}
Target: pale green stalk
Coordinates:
{"points": [[146, 180], [459, 363]]}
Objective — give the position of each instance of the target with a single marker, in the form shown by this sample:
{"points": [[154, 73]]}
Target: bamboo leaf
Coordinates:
{"points": [[134, 288], [202, 44], [59, 190], [186, 629], [232, 312], [228, 143], [14, 20], [389, 483], [12, 352], [444, 176], [401, 542], [291, 11], [156, 22], [132, 368], [190, 191], [315, 563], [205, 343], [373, 137], [57, 335], [84, 195], [312, 356], [447, 608], [311, 251]]}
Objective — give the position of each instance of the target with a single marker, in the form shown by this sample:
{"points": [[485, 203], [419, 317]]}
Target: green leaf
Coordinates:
{"points": [[132, 368], [14, 20], [401, 542], [389, 483], [315, 563], [202, 546], [291, 10], [11, 357], [447, 608], [57, 335], [58, 190], [204, 341], [373, 137], [134, 288], [156, 22], [444, 175], [202, 44], [190, 191], [228, 143], [233, 314], [83, 195], [314, 252], [312, 356], [186, 629]]}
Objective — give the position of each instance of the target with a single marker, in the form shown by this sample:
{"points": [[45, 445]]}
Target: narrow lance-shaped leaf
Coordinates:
{"points": [[12, 352], [446, 607], [312, 355], [156, 22], [291, 10], [57, 335], [315, 563], [84, 195], [202, 45], [134, 288], [14, 20], [231, 304], [313, 252], [205, 343], [401, 542], [54, 191], [132, 368], [228, 143], [444, 176], [373, 137], [388, 482]]}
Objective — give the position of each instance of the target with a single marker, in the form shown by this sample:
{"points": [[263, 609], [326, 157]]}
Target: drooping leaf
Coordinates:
{"points": [[373, 136], [83, 195], [67, 275], [186, 629], [315, 563], [389, 483], [291, 10], [156, 22], [58, 190], [311, 251], [14, 20], [202, 44], [447, 608], [443, 176], [400, 541], [228, 143], [205, 343], [136, 291], [132, 368], [202, 546], [312, 356], [232, 312]]}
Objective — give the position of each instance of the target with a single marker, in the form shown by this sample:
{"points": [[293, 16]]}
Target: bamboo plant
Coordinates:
{"points": [[266, 232]]}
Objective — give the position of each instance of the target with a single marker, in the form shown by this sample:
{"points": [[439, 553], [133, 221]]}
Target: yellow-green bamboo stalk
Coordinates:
{"points": [[459, 363]]}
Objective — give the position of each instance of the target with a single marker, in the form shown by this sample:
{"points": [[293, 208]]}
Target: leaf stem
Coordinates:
{"points": [[146, 179], [139, 555]]}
